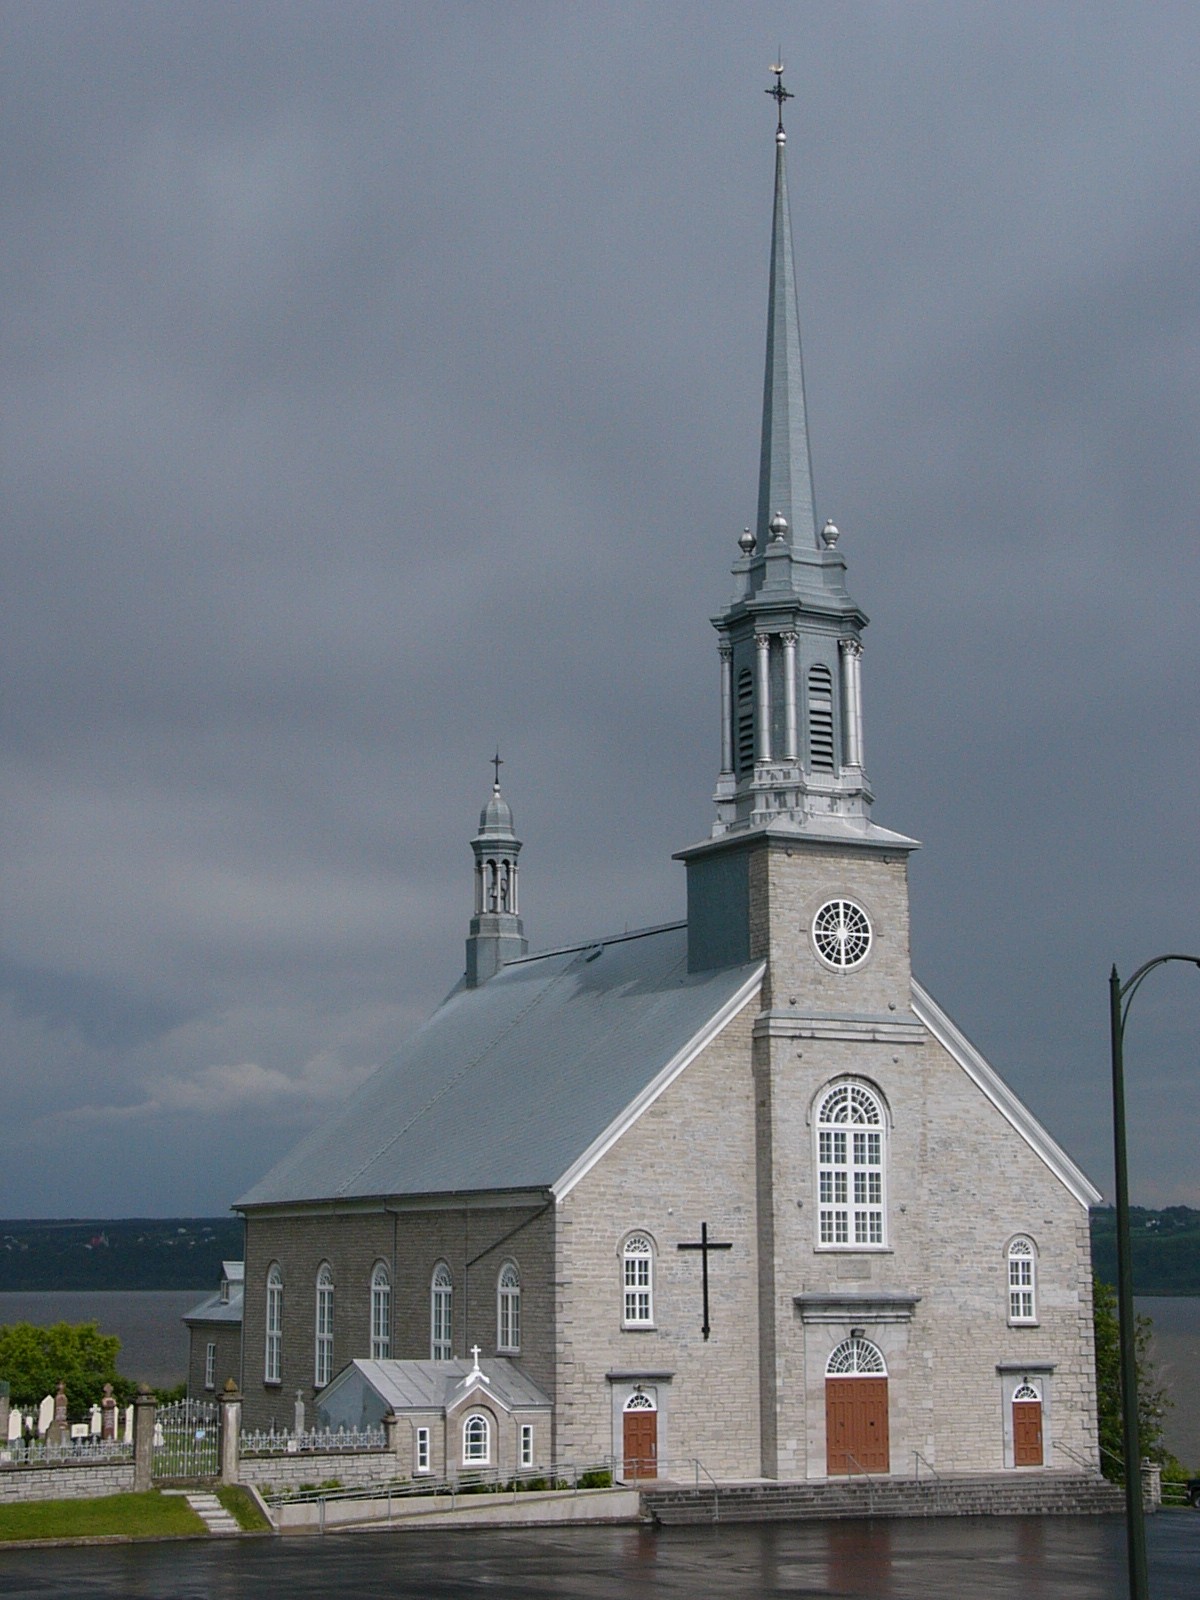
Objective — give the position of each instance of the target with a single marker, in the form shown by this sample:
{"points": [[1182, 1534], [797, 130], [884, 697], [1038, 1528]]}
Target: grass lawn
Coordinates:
{"points": [[242, 1505], [139, 1516]]}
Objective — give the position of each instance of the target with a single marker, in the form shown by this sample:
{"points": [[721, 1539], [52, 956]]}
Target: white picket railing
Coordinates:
{"points": [[15, 1452], [271, 1442]]}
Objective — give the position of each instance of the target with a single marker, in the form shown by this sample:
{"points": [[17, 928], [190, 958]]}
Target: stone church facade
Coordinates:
{"points": [[735, 1190]]}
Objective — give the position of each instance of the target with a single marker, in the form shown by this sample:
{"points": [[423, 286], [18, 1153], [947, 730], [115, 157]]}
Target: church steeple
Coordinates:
{"points": [[791, 637], [785, 469], [497, 934]]}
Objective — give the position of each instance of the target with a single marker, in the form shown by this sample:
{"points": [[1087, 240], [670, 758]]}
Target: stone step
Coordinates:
{"points": [[213, 1514], [1047, 1494]]}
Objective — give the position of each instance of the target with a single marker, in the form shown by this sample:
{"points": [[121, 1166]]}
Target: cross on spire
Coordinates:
{"points": [[778, 93], [497, 763]]}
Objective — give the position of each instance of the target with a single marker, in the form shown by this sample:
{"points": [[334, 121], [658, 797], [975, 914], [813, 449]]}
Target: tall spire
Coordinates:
{"points": [[785, 470]]}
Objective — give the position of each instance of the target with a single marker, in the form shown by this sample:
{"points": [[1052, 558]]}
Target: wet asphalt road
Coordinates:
{"points": [[1025, 1558]]}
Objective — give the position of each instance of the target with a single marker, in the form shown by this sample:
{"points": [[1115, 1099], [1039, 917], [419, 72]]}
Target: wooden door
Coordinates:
{"points": [[856, 1425], [641, 1444], [1027, 1433]]}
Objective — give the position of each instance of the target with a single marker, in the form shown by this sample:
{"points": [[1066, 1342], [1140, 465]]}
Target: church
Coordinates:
{"points": [[732, 1190]]}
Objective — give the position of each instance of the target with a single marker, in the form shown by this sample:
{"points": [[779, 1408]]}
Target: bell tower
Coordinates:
{"points": [[792, 776], [497, 934]]}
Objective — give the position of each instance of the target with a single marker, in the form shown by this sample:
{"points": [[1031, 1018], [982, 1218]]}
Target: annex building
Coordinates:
{"points": [[734, 1189]]}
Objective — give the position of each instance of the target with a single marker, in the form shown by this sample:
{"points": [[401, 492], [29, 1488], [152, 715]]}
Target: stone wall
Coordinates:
{"points": [[350, 1467], [227, 1336], [68, 1481], [474, 1238], [961, 1181], [688, 1159]]}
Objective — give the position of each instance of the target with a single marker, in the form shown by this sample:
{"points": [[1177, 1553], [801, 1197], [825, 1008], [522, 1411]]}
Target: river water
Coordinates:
{"points": [[154, 1342]]}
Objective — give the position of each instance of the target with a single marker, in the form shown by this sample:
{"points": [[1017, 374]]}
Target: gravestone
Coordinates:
{"points": [[45, 1415]]}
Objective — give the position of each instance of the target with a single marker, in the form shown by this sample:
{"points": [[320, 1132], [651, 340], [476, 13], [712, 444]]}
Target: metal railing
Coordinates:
{"points": [[1088, 1465], [562, 1477], [867, 1475], [701, 1468], [918, 1461], [41, 1452], [322, 1441]]}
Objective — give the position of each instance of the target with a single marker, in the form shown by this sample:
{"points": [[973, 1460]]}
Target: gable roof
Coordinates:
{"points": [[512, 1085]]}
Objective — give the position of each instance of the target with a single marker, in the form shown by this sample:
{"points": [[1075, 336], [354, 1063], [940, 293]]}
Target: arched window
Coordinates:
{"points": [[440, 1313], [745, 721], [508, 1308], [1022, 1280], [323, 1364], [638, 1278], [856, 1357], [851, 1169], [477, 1440], [273, 1362], [381, 1313], [820, 719]]}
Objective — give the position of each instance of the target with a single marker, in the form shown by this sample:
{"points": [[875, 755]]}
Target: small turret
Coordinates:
{"points": [[497, 934]]}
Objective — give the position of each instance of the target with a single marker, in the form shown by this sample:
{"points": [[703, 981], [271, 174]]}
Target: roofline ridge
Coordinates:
{"points": [[590, 944]]}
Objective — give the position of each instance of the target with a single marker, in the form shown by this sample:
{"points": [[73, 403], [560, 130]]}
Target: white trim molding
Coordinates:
{"points": [[619, 1125], [956, 1043]]}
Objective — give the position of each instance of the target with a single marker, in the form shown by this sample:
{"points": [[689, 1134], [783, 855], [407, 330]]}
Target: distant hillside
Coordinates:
{"points": [[118, 1253], [186, 1252], [1166, 1248]]}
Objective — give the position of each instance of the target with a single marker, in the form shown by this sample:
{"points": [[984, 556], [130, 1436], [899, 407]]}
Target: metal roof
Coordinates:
{"points": [[214, 1309], [439, 1385], [509, 1085]]}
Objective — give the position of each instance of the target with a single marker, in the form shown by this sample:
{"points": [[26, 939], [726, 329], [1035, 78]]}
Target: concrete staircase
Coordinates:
{"points": [[1008, 1494], [214, 1515]]}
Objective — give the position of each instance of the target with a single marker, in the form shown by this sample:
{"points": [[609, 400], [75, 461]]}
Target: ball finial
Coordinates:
{"points": [[829, 533], [746, 542], [779, 527]]}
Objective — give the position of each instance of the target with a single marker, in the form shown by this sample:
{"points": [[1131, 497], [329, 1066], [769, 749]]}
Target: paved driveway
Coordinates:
{"points": [[1018, 1558]]}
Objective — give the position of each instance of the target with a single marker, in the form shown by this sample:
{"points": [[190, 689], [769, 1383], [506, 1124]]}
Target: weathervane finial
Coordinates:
{"points": [[778, 93], [497, 763]]}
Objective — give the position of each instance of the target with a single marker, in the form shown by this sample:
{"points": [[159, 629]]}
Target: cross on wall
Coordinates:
{"points": [[704, 1244]]}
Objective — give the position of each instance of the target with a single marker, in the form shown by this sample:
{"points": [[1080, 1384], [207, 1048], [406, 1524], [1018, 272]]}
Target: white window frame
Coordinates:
{"points": [[441, 1314], [508, 1308], [477, 1440], [210, 1365], [273, 1351], [637, 1281], [851, 1140], [527, 1444], [381, 1313], [323, 1340], [1021, 1258], [424, 1463]]}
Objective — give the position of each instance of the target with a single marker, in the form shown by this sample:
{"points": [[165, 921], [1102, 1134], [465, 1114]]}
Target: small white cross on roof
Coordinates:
{"points": [[475, 1353]]}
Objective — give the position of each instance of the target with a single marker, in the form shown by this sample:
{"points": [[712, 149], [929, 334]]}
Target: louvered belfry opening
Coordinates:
{"points": [[820, 719]]}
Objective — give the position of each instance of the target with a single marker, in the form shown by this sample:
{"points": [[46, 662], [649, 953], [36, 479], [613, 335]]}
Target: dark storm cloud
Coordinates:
{"points": [[380, 382]]}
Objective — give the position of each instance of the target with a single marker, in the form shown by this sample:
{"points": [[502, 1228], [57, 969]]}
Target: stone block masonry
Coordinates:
{"points": [[71, 1480]]}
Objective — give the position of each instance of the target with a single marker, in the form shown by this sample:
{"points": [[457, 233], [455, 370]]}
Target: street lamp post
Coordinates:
{"points": [[1120, 996]]}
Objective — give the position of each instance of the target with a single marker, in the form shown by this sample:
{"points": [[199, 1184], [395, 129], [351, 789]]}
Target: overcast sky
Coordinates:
{"points": [[381, 382]]}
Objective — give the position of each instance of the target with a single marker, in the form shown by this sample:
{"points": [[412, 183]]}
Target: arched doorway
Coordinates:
{"points": [[1027, 1425], [640, 1436], [856, 1409]]}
